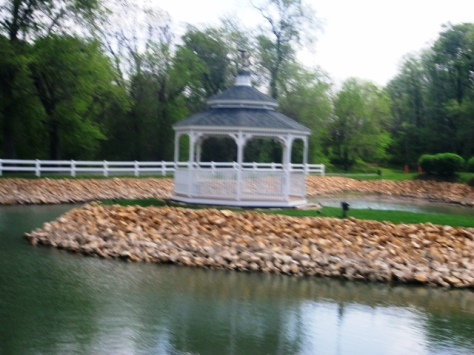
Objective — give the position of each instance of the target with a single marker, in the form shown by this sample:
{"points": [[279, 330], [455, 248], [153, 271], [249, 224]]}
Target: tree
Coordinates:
{"points": [[358, 129], [451, 92], [306, 98], [30, 19], [73, 81], [432, 97], [289, 23], [208, 55], [17, 104], [139, 40], [156, 90], [21, 22], [408, 95]]}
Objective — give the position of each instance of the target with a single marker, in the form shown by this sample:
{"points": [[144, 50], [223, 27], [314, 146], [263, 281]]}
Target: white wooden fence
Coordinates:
{"points": [[136, 168]]}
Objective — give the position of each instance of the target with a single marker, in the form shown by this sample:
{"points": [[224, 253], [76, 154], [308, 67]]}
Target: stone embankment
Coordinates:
{"points": [[420, 189], [348, 249], [50, 191], [54, 191]]}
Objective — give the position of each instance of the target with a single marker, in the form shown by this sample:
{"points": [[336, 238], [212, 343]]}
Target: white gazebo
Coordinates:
{"points": [[241, 113]]}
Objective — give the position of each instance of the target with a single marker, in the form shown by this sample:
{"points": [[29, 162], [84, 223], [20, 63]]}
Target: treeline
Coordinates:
{"points": [[85, 79]]}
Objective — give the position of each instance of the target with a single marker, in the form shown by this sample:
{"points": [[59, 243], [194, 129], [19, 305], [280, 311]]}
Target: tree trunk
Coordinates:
{"points": [[8, 136], [345, 160], [54, 146]]}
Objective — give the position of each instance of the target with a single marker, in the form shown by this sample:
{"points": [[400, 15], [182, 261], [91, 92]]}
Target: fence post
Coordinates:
{"points": [[323, 169], [136, 169], [1, 167], [163, 168], [213, 166], [73, 168], [37, 168], [273, 165], [106, 172]]}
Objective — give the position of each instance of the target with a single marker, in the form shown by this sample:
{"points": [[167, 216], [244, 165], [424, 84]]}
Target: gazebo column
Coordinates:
{"points": [[193, 138], [240, 139], [287, 143], [177, 137], [198, 150], [305, 154]]}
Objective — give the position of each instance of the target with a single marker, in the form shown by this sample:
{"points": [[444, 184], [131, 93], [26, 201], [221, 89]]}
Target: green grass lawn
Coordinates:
{"points": [[375, 215]]}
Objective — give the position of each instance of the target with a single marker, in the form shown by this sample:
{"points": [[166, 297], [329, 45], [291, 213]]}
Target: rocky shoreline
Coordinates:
{"points": [[339, 248], [53, 191]]}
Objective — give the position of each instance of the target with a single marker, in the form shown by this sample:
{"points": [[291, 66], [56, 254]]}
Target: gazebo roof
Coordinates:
{"points": [[243, 117], [242, 107], [241, 95]]}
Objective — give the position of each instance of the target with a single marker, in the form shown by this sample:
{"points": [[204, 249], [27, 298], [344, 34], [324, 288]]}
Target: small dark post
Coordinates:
{"points": [[345, 208]]}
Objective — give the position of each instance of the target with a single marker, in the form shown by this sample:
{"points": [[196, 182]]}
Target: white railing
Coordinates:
{"points": [[234, 185], [108, 168]]}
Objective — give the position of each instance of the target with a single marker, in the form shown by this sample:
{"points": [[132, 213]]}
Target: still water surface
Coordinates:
{"points": [[381, 202], [54, 302]]}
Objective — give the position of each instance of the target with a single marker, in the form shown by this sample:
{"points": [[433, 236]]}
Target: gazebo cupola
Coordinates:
{"points": [[241, 113]]}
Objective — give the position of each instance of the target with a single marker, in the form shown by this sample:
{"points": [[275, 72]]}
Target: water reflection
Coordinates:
{"points": [[55, 302]]}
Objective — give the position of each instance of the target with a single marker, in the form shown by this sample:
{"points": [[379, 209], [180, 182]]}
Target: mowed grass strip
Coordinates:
{"points": [[398, 217]]}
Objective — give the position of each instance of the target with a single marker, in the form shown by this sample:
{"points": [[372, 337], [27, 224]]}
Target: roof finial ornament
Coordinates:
{"points": [[244, 59], [243, 74]]}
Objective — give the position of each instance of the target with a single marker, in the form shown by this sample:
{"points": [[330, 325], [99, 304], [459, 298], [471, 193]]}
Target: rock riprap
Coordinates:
{"points": [[421, 189], [50, 191], [342, 248]]}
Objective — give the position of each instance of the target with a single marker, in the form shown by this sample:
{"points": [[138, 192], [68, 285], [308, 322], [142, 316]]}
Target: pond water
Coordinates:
{"points": [[380, 202], [54, 302]]}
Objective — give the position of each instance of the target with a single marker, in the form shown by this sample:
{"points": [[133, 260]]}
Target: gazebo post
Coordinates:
{"points": [[198, 151], [192, 142], [240, 140], [287, 143], [305, 154], [177, 137]]}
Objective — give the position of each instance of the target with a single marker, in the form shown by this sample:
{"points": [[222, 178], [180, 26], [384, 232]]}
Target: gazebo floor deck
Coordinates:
{"points": [[292, 201]]}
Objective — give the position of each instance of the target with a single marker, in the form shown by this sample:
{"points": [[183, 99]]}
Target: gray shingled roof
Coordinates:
{"points": [[243, 93], [243, 117]]}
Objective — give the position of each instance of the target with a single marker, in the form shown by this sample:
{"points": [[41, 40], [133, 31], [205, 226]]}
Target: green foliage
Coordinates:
{"points": [[210, 59], [71, 77], [305, 97], [358, 129], [20, 110], [62, 96], [443, 164], [428, 163], [432, 98], [470, 165]]}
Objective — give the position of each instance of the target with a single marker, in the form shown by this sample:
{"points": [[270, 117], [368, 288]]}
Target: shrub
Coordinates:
{"points": [[427, 163], [443, 164], [449, 163], [470, 165]]}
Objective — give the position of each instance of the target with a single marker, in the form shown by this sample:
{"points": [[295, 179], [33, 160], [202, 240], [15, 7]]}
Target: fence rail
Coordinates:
{"points": [[136, 168]]}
